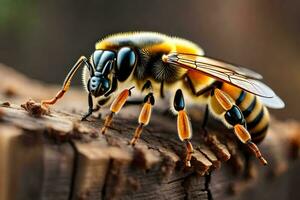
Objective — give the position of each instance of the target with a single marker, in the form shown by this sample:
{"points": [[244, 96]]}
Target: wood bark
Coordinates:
{"points": [[56, 156]]}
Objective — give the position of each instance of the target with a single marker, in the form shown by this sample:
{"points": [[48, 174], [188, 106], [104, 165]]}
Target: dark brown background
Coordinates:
{"points": [[43, 39]]}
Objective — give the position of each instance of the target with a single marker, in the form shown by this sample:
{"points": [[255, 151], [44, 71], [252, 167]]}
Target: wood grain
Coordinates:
{"points": [[56, 156]]}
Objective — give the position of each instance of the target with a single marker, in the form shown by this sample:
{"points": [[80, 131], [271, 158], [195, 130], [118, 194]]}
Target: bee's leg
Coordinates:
{"points": [[91, 109], [67, 81], [147, 86], [144, 117], [115, 107], [234, 117], [203, 91], [134, 102], [183, 126], [204, 122], [145, 113]]}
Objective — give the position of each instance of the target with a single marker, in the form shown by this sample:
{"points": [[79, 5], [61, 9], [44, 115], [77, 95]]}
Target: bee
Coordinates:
{"points": [[152, 63]]}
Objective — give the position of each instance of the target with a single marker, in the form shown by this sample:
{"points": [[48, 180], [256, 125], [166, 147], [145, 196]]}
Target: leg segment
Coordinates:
{"points": [[147, 86], [134, 102], [183, 126], [91, 109], [204, 123], [115, 107], [203, 91], [67, 81], [205, 118], [144, 117], [234, 117]]}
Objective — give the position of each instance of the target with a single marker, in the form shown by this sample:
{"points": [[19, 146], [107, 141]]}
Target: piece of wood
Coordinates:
{"points": [[58, 167], [56, 156]]}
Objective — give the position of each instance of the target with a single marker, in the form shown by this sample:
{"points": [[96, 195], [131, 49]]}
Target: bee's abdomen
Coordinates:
{"points": [[255, 113]]}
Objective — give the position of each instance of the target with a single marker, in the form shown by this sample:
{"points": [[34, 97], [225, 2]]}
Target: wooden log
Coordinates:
{"points": [[56, 156]]}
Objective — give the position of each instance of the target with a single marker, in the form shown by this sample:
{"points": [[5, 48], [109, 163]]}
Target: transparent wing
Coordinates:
{"points": [[237, 76], [220, 65], [274, 102]]}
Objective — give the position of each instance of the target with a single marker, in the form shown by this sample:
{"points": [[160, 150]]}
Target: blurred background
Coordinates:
{"points": [[43, 39]]}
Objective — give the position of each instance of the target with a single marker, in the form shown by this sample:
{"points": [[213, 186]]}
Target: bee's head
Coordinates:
{"points": [[110, 67], [100, 81]]}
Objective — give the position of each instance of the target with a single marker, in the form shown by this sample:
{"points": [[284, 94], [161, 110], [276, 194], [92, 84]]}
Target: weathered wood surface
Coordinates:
{"points": [[57, 156]]}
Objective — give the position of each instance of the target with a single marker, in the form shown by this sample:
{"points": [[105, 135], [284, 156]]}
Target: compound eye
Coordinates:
{"points": [[126, 61]]}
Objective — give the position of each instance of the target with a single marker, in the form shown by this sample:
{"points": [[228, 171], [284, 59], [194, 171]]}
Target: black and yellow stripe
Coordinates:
{"points": [[255, 113]]}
